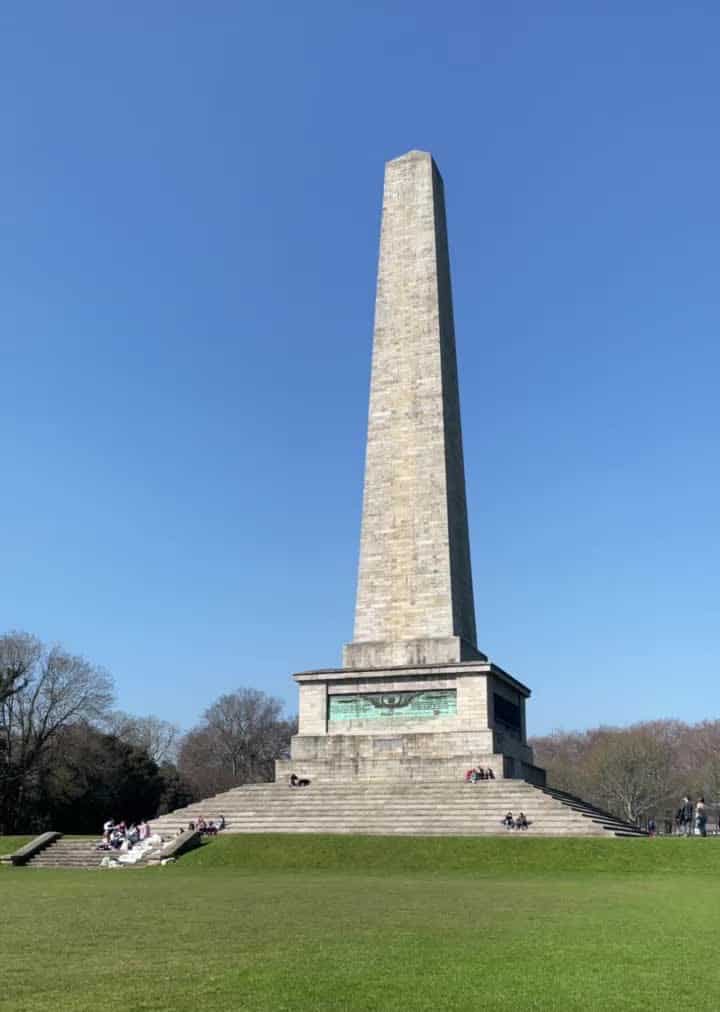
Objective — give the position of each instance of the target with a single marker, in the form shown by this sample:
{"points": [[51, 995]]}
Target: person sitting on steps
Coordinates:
{"points": [[509, 822], [521, 822]]}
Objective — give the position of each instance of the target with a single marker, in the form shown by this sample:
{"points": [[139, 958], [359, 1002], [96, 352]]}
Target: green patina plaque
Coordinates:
{"points": [[394, 705]]}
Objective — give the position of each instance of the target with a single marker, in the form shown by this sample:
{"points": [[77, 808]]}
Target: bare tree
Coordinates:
{"points": [[19, 653], [563, 754], [241, 735], [701, 754], [157, 737], [57, 689], [632, 771]]}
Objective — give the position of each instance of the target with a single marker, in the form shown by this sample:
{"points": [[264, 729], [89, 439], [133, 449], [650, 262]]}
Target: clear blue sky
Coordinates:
{"points": [[189, 206]]}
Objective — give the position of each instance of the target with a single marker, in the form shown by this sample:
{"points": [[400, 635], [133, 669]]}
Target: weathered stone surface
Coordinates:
{"points": [[415, 698], [415, 595], [402, 806]]}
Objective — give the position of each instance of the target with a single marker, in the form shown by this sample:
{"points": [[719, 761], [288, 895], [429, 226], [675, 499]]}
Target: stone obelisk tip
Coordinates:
{"points": [[414, 154]]}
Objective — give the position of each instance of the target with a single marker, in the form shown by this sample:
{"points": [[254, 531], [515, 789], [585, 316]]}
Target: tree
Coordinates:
{"points": [[177, 791], [240, 737], [632, 771], [19, 653], [90, 776], [159, 738], [563, 755], [56, 689]]}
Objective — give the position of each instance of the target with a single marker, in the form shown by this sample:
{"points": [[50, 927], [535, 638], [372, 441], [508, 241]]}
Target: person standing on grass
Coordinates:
{"points": [[701, 817], [687, 816]]}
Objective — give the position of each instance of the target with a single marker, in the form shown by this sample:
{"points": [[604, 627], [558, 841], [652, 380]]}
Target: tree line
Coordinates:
{"points": [[636, 772], [68, 760]]}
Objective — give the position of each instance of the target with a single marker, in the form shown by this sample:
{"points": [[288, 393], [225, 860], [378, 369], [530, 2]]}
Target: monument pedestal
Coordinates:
{"points": [[410, 722]]}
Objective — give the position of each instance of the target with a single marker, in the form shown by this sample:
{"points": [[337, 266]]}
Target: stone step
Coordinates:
{"points": [[402, 787], [397, 808], [421, 830], [398, 812], [327, 825], [64, 864], [307, 794], [441, 788], [69, 852], [408, 816], [395, 812], [419, 806], [469, 817], [412, 825]]}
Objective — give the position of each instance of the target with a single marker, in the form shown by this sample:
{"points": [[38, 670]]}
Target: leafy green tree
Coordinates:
{"points": [[92, 776]]}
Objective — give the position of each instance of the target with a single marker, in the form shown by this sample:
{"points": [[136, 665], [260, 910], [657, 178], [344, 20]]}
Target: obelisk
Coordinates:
{"points": [[414, 594], [415, 699]]}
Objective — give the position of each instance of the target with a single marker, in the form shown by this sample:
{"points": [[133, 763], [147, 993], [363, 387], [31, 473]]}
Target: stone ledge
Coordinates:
{"points": [[24, 854], [423, 650], [387, 771], [189, 839], [456, 669]]}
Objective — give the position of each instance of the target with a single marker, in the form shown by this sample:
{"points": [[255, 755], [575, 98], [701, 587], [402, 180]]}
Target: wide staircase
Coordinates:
{"points": [[399, 809]]}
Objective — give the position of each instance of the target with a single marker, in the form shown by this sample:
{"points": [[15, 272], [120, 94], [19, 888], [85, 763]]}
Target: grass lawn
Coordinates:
{"points": [[319, 923], [8, 844]]}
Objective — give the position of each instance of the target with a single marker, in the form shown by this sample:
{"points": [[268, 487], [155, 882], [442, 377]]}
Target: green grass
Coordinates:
{"points": [[354, 923], [502, 855], [9, 844]]}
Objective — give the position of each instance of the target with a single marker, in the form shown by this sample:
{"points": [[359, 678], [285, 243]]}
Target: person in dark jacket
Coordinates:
{"points": [[701, 817], [686, 809]]}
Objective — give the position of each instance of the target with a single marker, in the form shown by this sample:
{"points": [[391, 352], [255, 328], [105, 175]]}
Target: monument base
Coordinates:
{"points": [[410, 722]]}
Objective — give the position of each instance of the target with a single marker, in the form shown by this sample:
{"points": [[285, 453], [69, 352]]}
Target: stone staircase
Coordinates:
{"points": [[81, 852], [68, 852], [439, 808]]}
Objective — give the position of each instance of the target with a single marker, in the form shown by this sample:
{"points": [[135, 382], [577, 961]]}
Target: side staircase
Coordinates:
{"points": [[440, 808], [68, 852], [81, 852]]}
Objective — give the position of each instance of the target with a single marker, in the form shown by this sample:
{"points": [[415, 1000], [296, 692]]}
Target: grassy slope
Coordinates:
{"points": [[328, 923], [503, 855], [9, 844]]}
